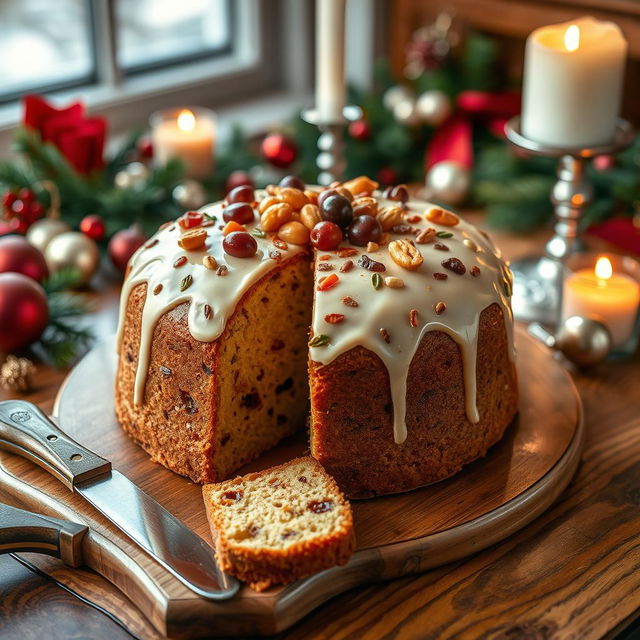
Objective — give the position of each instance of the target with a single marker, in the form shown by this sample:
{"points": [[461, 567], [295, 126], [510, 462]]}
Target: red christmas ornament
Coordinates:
{"points": [[18, 256], [145, 149], [279, 150], [238, 179], [24, 312], [93, 226], [360, 130], [21, 209], [604, 163], [123, 245], [387, 176]]}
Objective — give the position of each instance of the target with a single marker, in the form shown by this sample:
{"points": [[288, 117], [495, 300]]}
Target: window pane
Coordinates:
{"points": [[157, 32], [43, 44]]}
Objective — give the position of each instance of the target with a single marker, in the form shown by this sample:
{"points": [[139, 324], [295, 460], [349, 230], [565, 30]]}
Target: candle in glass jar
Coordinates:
{"points": [[186, 134], [600, 293], [330, 86], [573, 75]]}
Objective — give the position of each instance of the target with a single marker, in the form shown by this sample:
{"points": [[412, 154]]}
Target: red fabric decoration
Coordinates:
{"points": [[454, 139], [79, 139], [619, 231]]}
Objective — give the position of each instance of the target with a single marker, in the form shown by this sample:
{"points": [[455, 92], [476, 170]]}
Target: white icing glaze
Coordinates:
{"points": [[465, 297], [153, 265]]}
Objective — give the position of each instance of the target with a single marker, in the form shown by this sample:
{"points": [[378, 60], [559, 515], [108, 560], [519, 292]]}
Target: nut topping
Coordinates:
{"points": [[371, 265], [455, 265], [413, 318], [440, 308], [193, 239], [334, 318], [275, 216], [440, 216], [390, 217], [405, 254], [349, 302], [393, 282]]}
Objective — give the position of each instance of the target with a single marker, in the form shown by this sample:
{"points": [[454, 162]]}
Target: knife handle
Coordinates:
{"points": [[25, 430], [26, 531]]}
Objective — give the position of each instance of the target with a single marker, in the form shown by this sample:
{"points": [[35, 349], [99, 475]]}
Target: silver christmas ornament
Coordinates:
{"points": [[133, 176], [73, 250], [405, 112], [583, 341], [448, 182], [395, 95], [43, 231], [433, 107], [189, 194]]}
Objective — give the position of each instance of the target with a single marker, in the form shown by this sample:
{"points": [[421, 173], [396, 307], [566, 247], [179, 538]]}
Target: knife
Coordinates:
{"points": [[26, 431]]}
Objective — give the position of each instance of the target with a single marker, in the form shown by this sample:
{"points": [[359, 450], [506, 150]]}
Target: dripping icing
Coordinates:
{"points": [[465, 296]]}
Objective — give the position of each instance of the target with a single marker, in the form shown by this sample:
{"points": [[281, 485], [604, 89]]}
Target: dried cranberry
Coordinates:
{"points": [[240, 244], [243, 193], [191, 219], [364, 229], [240, 212], [336, 208], [371, 265], [234, 496], [455, 265], [292, 182], [320, 506], [326, 236]]}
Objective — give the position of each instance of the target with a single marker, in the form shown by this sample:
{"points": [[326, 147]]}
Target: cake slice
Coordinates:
{"points": [[280, 524]]}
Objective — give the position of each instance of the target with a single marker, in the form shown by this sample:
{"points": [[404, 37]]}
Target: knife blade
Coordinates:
{"points": [[28, 432]]}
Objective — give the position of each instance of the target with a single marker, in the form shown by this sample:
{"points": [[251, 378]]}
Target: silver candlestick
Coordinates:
{"points": [[331, 161], [538, 279]]}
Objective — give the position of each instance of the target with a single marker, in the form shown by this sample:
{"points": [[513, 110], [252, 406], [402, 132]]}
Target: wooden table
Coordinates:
{"points": [[574, 572]]}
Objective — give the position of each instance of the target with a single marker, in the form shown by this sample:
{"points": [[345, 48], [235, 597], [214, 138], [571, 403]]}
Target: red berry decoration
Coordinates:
{"points": [[145, 148], [240, 212], [240, 244], [364, 229], [93, 226], [123, 245], [8, 199], [243, 193], [191, 219], [24, 312], [238, 179], [26, 195], [22, 209], [360, 130], [279, 150], [292, 182], [18, 256], [326, 236], [336, 208], [387, 176]]}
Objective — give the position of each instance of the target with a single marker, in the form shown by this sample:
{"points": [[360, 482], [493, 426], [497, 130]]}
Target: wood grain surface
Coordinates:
{"points": [[396, 535], [572, 573]]}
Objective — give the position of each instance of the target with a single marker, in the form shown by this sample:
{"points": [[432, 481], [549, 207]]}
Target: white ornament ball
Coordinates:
{"points": [[133, 176], [405, 112], [189, 194], [73, 250], [433, 107], [395, 95], [448, 182], [43, 231]]}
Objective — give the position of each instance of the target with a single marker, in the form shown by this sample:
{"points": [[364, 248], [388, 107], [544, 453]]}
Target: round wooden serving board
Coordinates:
{"points": [[406, 533]]}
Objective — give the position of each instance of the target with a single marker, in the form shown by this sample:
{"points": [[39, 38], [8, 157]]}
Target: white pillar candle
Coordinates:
{"points": [[186, 134], [600, 293], [330, 85], [573, 74]]}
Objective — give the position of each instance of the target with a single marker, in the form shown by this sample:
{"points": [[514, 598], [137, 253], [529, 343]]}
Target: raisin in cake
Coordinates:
{"points": [[281, 524], [409, 364]]}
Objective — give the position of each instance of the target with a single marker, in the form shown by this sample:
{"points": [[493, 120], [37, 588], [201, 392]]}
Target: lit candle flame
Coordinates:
{"points": [[603, 269], [186, 120], [572, 38]]}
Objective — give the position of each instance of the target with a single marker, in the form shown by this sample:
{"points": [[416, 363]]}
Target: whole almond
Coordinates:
{"points": [[405, 254], [267, 202], [294, 197], [275, 216], [310, 215]]}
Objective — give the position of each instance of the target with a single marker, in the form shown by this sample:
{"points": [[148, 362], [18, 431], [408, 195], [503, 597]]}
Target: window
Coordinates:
{"points": [[45, 45], [49, 46]]}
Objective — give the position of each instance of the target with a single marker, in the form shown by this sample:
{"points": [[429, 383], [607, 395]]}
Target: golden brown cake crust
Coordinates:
{"points": [[264, 566], [351, 412]]}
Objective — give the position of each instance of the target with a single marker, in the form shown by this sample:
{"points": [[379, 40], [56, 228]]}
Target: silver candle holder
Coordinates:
{"points": [[331, 162], [538, 279]]}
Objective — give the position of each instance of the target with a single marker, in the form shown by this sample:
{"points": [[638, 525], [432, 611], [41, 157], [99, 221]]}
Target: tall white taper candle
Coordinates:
{"points": [[330, 85]]}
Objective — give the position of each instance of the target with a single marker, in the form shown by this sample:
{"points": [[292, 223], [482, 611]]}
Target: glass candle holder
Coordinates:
{"points": [[605, 287], [187, 133]]}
